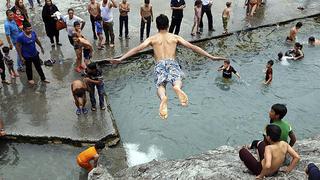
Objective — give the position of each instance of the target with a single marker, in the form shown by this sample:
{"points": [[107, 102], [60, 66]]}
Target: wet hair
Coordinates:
{"points": [[147, 1], [228, 4], [98, 18], [270, 62], [100, 145], [227, 61], [6, 49], [299, 24], [162, 22], [76, 24], [300, 46], [26, 25], [8, 11], [280, 55], [312, 39], [274, 132], [197, 2], [70, 9], [80, 92], [92, 66], [279, 109]]}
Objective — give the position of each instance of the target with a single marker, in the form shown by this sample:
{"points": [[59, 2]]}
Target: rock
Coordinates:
{"points": [[221, 163], [99, 173]]}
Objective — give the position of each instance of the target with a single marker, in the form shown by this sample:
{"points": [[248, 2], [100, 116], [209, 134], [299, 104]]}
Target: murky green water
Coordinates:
{"points": [[219, 113]]}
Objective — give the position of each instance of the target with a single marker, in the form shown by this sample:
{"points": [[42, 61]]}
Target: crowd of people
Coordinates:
{"points": [[272, 149]]}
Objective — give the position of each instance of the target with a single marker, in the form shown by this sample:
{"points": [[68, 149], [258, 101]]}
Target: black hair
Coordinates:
{"points": [[100, 145], [8, 11], [197, 2], [70, 9], [228, 4], [312, 39], [92, 66], [147, 1], [98, 18], [298, 45], [227, 61], [80, 92], [162, 22], [76, 24], [280, 55], [299, 24], [279, 109], [270, 62], [6, 49], [274, 132], [26, 25]]}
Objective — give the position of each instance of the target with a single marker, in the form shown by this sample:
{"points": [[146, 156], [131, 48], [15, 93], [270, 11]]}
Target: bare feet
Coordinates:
{"points": [[31, 82], [163, 110], [182, 96]]}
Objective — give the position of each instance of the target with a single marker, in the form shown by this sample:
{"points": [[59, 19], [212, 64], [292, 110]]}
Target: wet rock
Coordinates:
{"points": [[221, 163], [99, 173]]}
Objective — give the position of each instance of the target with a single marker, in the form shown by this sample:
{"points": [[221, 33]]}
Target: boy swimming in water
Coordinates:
{"points": [[268, 72], [313, 41], [293, 32], [227, 70], [273, 157], [167, 69]]}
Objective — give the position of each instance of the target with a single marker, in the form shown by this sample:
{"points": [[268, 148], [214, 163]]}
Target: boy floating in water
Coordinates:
{"points": [[88, 159], [227, 70], [226, 16], [78, 89], [313, 41], [293, 32], [272, 158], [269, 73], [167, 70]]}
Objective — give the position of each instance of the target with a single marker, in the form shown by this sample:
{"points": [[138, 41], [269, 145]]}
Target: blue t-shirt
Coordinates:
{"points": [[28, 45], [11, 29], [98, 26]]}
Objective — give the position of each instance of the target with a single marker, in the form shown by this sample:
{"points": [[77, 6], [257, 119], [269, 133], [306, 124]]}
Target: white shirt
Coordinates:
{"points": [[284, 60], [106, 12], [206, 2], [70, 23]]}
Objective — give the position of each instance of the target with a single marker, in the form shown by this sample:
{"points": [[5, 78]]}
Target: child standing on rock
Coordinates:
{"points": [[197, 17], [226, 16]]}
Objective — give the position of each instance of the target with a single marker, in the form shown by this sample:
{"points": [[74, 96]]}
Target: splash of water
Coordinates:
{"points": [[135, 156]]}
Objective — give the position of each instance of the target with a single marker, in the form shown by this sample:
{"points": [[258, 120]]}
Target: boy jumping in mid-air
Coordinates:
{"points": [[268, 72], [167, 70], [272, 158], [226, 16]]}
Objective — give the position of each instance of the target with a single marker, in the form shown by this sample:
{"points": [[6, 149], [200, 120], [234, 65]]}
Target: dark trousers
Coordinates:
{"points": [[52, 38], [108, 31], [31, 2], [175, 24], [206, 9], [250, 161], [101, 93], [93, 26], [71, 40], [36, 62], [143, 25], [313, 172], [123, 20], [3, 74]]}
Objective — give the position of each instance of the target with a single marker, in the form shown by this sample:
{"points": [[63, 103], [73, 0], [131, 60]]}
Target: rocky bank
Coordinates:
{"points": [[220, 163]]}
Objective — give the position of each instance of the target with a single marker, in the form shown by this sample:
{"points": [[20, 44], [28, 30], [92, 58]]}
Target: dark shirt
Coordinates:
{"points": [[177, 13], [228, 73], [1, 56], [269, 71], [95, 76]]}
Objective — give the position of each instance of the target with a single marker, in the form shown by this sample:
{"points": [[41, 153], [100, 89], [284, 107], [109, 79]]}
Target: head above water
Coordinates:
{"points": [[312, 40], [228, 4], [298, 46], [162, 22], [273, 133], [280, 55], [99, 145], [270, 63], [299, 25], [278, 111]]}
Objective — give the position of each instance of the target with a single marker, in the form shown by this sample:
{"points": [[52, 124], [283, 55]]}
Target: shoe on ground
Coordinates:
{"points": [[93, 108], [111, 45], [31, 82], [120, 37], [84, 110], [59, 44], [103, 108], [212, 29], [45, 81], [6, 82], [78, 111]]}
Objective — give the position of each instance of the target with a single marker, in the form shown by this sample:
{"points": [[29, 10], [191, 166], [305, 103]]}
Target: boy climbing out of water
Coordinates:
{"points": [[94, 79], [78, 89], [268, 72], [88, 159], [167, 69], [293, 32], [226, 16], [272, 157], [227, 70], [313, 41]]}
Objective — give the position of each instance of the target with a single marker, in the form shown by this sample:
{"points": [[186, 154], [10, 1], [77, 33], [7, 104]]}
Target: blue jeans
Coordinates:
{"points": [[19, 62], [100, 88]]}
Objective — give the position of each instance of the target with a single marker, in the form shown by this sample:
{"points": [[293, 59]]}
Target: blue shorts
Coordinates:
{"points": [[167, 71], [86, 54]]}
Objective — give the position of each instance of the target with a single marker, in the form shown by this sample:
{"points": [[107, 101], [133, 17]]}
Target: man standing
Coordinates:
{"points": [[107, 17], [206, 8], [124, 8], [12, 32], [26, 47], [94, 11], [70, 19], [167, 69], [177, 7]]}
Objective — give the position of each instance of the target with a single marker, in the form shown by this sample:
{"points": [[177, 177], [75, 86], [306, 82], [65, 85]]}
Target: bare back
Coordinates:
{"points": [[293, 33], [278, 154], [164, 45], [77, 84]]}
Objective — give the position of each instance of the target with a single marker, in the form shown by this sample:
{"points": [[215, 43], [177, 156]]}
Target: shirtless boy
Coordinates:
{"points": [[226, 16], [268, 72], [313, 41], [124, 8], [167, 70], [2, 131], [146, 18], [273, 157], [94, 10], [293, 32], [78, 89]]}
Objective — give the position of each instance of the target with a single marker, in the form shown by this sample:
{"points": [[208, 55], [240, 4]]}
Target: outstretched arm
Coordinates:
{"points": [[134, 51], [197, 49]]}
